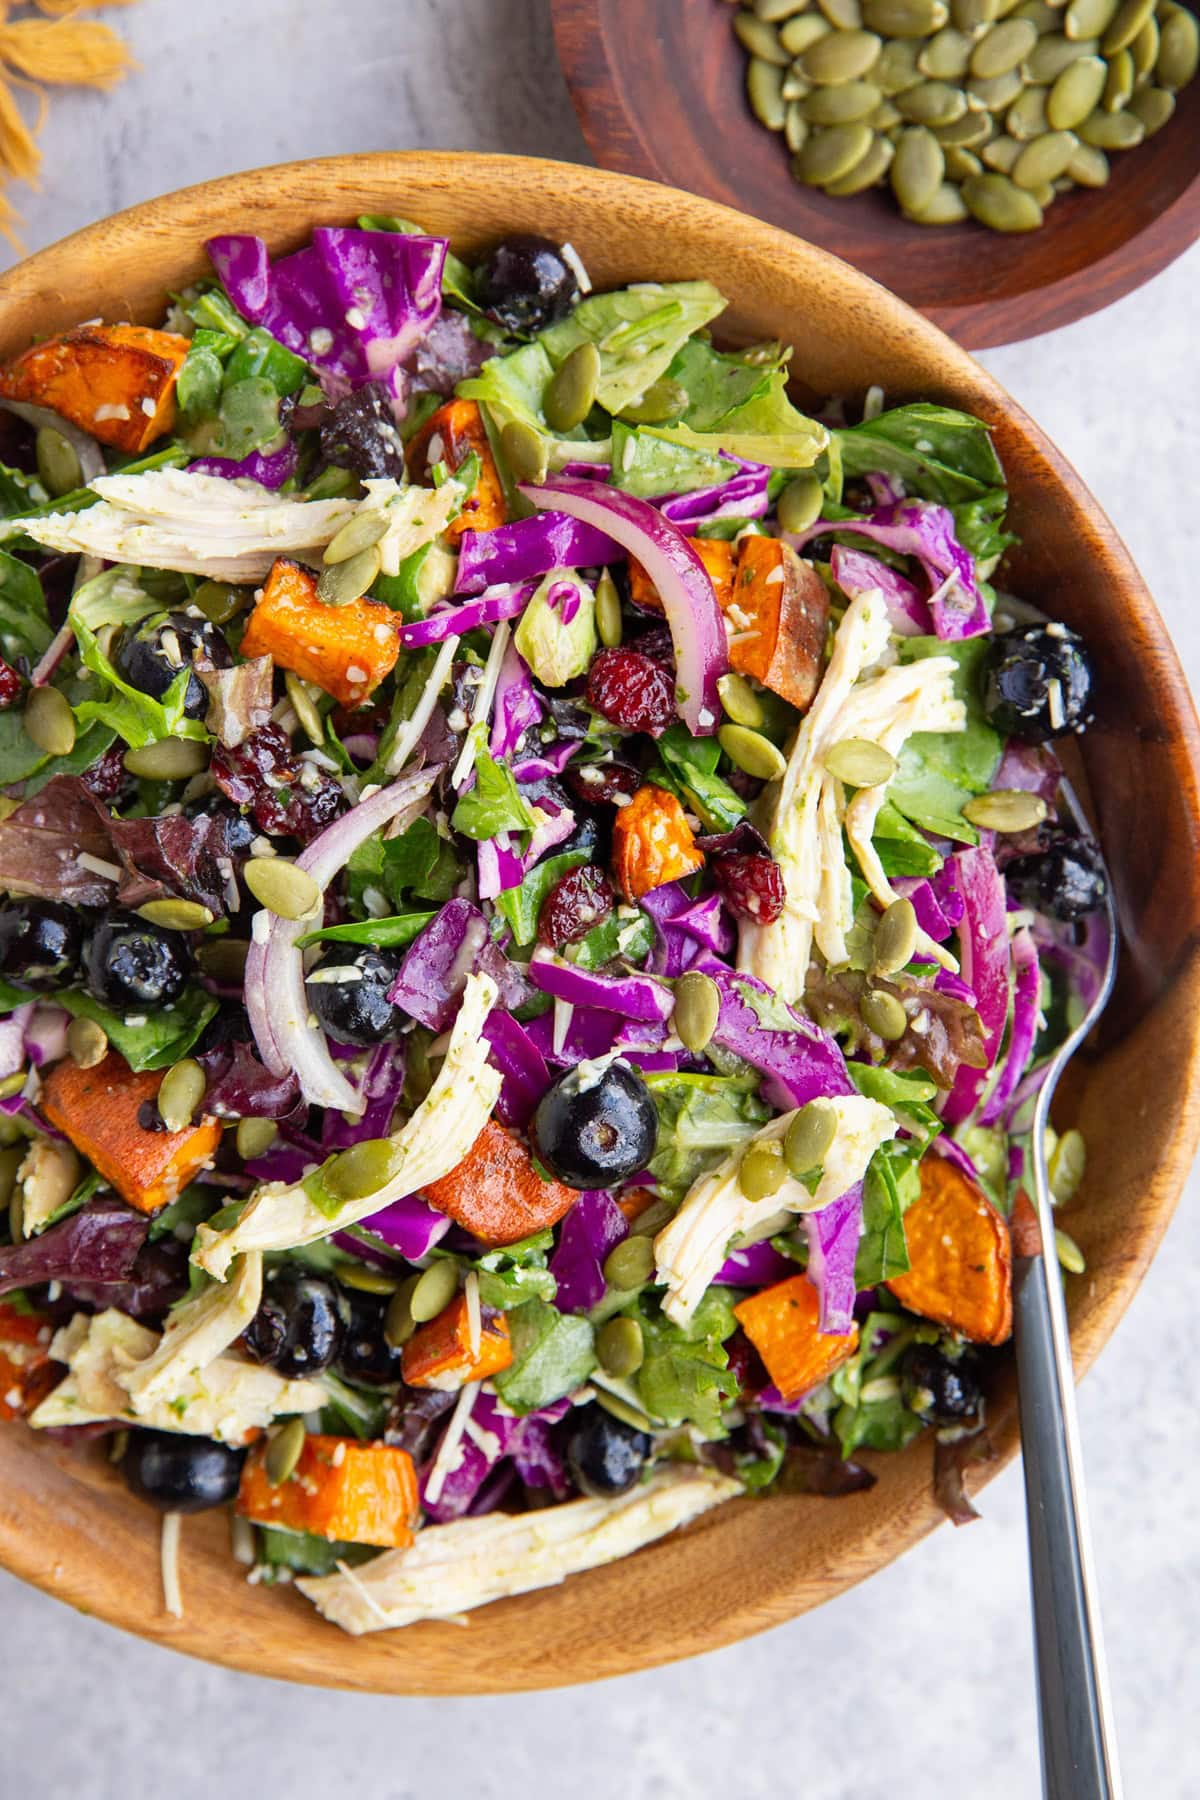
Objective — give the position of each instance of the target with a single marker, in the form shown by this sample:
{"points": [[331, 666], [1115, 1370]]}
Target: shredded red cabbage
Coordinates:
{"points": [[984, 961], [270, 469], [758, 1265], [633, 996], [922, 529], [526, 1077], [452, 621], [594, 1226], [434, 972], [855, 572], [528, 549]]}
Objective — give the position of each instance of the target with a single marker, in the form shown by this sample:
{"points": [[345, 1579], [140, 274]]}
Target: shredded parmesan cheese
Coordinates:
{"points": [[474, 1314], [450, 1449], [169, 1550]]}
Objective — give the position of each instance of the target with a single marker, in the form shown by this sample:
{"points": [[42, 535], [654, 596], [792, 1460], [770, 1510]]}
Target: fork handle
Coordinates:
{"points": [[1075, 1765]]}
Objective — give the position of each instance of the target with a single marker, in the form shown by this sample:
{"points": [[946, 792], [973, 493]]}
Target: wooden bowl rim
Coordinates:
{"points": [[50, 273]]}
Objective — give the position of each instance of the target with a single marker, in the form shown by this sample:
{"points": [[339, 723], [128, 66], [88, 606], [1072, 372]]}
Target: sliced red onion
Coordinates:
{"points": [[46, 1035], [12, 1041], [490, 607], [55, 653], [683, 583], [91, 457]]}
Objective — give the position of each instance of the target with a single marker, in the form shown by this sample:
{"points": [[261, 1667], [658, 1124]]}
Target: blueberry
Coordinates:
{"points": [[1037, 682], [604, 1455], [366, 1355], [300, 1323], [593, 1130], [1065, 880], [525, 283], [40, 942], [180, 1473], [131, 965], [348, 991], [940, 1386], [152, 658]]}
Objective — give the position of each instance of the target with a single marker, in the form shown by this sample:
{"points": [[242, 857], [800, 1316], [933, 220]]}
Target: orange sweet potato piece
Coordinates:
{"points": [[347, 650], [781, 1323], [27, 1373], [717, 555], [97, 1109], [652, 843], [115, 381], [777, 613], [439, 1354], [960, 1253], [495, 1192], [635, 1201], [340, 1489], [450, 435]]}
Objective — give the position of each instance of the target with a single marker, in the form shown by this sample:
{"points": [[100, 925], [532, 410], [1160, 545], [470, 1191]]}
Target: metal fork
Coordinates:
{"points": [[1078, 1737]]}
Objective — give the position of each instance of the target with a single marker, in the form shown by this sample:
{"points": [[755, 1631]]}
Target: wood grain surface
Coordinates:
{"points": [[67, 1521], [659, 89]]}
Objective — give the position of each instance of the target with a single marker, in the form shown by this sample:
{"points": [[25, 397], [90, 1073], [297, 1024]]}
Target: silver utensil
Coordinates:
{"points": [[1078, 1738]]}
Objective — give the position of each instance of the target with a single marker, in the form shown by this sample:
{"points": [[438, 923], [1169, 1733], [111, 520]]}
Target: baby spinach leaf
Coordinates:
{"points": [[688, 769], [938, 452], [305, 1554], [718, 384], [510, 1276], [419, 862], [137, 717], [521, 905], [385, 934], [553, 1354], [260, 355], [939, 771], [150, 1040], [630, 939], [24, 622]]}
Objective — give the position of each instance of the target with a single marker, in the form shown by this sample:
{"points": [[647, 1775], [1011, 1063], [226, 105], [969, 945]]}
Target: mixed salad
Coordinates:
{"points": [[535, 914]]}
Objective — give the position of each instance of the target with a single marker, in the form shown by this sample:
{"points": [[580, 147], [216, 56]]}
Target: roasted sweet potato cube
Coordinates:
{"points": [[652, 843], [717, 555], [450, 435], [439, 1355], [495, 1192], [777, 614], [340, 1489], [27, 1373], [782, 1322], [960, 1256], [116, 382], [98, 1110], [347, 650]]}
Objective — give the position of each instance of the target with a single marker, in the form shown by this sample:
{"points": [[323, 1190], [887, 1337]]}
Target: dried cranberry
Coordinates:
{"points": [[287, 797], [752, 885], [578, 900], [107, 777], [603, 783], [10, 685], [632, 691]]}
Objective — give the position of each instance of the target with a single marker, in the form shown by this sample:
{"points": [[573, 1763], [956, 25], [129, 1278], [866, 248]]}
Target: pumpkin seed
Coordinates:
{"points": [[87, 1043], [609, 625], [620, 1347], [398, 1322], [883, 1014], [1112, 131], [970, 132], [223, 960], [1178, 50], [859, 762], [809, 1137], [1119, 86], [840, 105], [961, 163], [49, 721], [775, 11], [1003, 47], [571, 390], [1044, 158], [762, 1170], [1046, 18], [885, 118], [916, 174], [969, 15], [1125, 27], [865, 173], [525, 451], [181, 1093], [341, 583], [798, 507], [739, 699], [932, 103], [1069, 1254], [841, 56], [997, 93], [284, 1450], [1089, 18], [1153, 106], [362, 1169], [1005, 809], [795, 128], [759, 38], [220, 601], [254, 1137], [764, 90], [621, 1409], [895, 938], [795, 87], [905, 18], [652, 1218], [1145, 48], [305, 708], [751, 752], [946, 55], [362, 531], [897, 66], [662, 400], [283, 888], [1088, 167], [176, 915], [1075, 94], [1054, 53], [1067, 1167], [845, 14], [697, 1009], [803, 32], [631, 1264], [1026, 117], [170, 759], [434, 1291], [58, 462], [1000, 204]]}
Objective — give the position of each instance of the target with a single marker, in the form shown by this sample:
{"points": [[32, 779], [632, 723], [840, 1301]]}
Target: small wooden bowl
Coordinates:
{"points": [[66, 1520], [659, 86]]}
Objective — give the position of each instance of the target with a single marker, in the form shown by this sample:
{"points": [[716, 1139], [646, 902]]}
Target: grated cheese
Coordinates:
{"points": [[169, 1553], [482, 704], [450, 1452], [474, 1314]]}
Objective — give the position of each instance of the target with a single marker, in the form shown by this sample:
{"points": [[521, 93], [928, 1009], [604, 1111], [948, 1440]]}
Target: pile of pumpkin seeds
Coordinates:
{"points": [[984, 109]]}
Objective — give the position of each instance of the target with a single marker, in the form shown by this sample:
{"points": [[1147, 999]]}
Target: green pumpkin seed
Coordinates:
{"points": [[917, 171], [620, 1347], [398, 1322], [1145, 48], [87, 1043], [932, 103], [996, 93], [1088, 167], [866, 172], [883, 1014], [663, 400], [58, 462], [905, 18], [1046, 18], [798, 507], [969, 15], [341, 583], [621, 1409], [845, 14], [1069, 1254], [525, 451], [362, 1170], [223, 959], [1005, 809], [181, 1093], [1003, 46], [1055, 53], [946, 56], [254, 1137], [795, 87], [221, 601], [1119, 86], [762, 1170], [897, 67], [795, 128], [1026, 117], [1044, 159], [751, 752], [608, 611], [631, 1264], [1125, 27], [961, 163], [858, 762], [652, 1218], [1153, 106], [287, 891], [774, 12], [697, 1010], [1075, 94], [764, 90], [1112, 131], [1089, 18], [434, 1291], [176, 915], [49, 721], [1067, 1167], [895, 938], [283, 1452], [760, 39], [840, 105], [809, 1137], [362, 531], [571, 391], [841, 56], [802, 33], [1178, 50], [885, 118], [1001, 154], [970, 132], [739, 699], [305, 708], [1000, 204], [367, 1280]]}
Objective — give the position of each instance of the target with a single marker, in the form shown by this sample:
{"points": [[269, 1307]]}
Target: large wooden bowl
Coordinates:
{"points": [[67, 1522], [659, 86]]}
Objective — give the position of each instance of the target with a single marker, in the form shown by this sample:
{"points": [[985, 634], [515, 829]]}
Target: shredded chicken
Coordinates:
{"points": [[197, 1331]]}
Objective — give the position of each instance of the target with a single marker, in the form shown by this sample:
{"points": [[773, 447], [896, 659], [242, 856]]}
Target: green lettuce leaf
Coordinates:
{"points": [[701, 1118], [939, 771], [647, 465], [689, 770], [685, 1377], [494, 804], [638, 332], [24, 622], [151, 1040]]}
